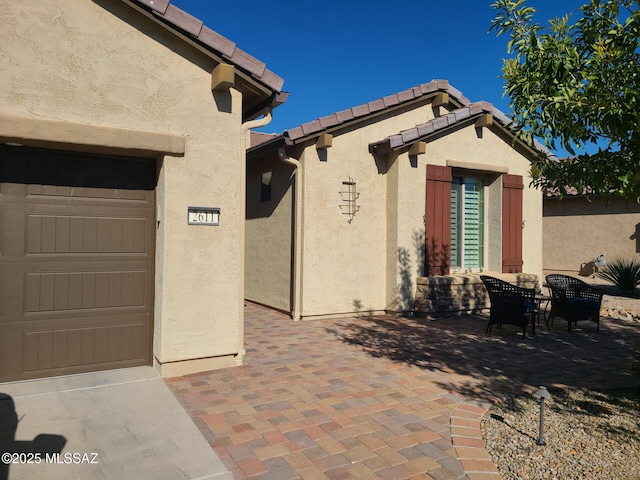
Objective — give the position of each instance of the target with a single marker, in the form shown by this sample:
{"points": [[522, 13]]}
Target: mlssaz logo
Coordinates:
{"points": [[72, 458]]}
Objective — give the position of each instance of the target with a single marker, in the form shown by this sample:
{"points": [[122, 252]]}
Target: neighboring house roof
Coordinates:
{"points": [[569, 191], [253, 72], [258, 138]]}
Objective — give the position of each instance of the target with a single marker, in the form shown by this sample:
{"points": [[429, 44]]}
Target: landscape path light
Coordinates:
{"points": [[542, 394]]}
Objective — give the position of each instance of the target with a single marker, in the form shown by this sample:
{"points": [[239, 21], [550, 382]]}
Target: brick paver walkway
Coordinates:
{"points": [[384, 397]]}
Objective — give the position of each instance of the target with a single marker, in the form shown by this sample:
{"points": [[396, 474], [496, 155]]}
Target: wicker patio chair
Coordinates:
{"points": [[510, 304], [573, 300]]}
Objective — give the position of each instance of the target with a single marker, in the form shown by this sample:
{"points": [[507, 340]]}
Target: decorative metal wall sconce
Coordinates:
{"points": [[349, 195]]}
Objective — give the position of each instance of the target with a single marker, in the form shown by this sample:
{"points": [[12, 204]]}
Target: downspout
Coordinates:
{"points": [[297, 246], [260, 122]]}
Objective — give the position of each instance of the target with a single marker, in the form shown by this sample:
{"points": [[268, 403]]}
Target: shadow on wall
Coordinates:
{"points": [[408, 264], [19, 450], [263, 199], [358, 308], [437, 258], [405, 299]]}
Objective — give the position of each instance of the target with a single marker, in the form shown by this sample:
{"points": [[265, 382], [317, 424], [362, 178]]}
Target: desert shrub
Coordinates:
{"points": [[622, 272]]}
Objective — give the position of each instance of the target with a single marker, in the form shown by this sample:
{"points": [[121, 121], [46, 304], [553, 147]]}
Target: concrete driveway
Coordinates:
{"points": [[120, 424]]}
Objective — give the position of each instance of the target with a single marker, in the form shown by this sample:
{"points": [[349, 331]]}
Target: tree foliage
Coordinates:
{"points": [[576, 85]]}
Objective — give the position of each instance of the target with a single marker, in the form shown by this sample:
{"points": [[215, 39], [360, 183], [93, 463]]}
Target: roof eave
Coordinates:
{"points": [[471, 113], [253, 76], [266, 147], [346, 118]]}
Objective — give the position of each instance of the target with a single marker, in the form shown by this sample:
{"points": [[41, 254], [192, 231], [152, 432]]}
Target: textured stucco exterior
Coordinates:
{"points": [[577, 229], [371, 264], [103, 64], [269, 236]]}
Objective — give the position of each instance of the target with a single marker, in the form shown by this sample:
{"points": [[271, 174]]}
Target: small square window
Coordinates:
{"points": [[265, 186]]}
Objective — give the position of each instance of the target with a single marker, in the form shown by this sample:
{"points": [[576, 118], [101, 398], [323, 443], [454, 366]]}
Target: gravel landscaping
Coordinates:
{"points": [[588, 434]]}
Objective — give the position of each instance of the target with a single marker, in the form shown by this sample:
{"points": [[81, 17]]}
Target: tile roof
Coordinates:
{"points": [[465, 111], [180, 20], [258, 138], [361, 111], [411, 135]]}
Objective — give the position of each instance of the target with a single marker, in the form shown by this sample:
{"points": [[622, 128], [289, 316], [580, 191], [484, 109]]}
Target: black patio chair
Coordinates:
{"points": [[510, 304], [573, 300]]}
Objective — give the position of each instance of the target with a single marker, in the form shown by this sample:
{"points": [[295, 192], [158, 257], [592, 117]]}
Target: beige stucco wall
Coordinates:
{"points": [[343, 266], [372, 263], [269, 235], [346, 265], [77, 61], [381, 268], [576, 230]]}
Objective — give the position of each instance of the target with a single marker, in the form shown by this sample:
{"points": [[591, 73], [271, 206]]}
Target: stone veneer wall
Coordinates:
{"points": [[461, 293]]}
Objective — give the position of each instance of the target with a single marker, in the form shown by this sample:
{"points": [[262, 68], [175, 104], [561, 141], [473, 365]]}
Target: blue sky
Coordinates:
{"points": [[338, 54]]}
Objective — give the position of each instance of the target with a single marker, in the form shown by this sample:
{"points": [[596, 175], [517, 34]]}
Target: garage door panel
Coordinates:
{"points": [[83, 347], [85, 291], [76, 258], [1, 236], [47, 235], [63, 234], [32, 350]]}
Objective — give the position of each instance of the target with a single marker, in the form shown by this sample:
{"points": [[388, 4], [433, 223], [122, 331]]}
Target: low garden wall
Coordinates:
{"points": [[461, 292]]}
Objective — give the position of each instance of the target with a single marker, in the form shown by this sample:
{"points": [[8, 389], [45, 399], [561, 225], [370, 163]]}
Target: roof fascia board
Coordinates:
{"points": [[190, 28], [509, 136], [394, 143], [397, 142], [275, 100]]}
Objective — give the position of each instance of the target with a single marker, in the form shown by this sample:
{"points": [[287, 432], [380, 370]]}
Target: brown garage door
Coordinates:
{"points": [[76, 262]]}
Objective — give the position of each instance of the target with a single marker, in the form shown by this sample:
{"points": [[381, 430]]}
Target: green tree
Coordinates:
{"points": [[576, 85]]}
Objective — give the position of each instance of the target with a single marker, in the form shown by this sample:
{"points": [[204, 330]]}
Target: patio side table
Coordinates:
{"points": [[543, 305]]}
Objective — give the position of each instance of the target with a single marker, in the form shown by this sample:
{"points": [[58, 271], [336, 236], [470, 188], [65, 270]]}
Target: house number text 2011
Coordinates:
{"points": [[203, 216]]}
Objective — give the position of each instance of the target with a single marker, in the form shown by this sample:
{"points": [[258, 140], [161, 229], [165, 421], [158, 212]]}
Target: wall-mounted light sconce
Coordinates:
{"points": [[223, 77], [324, 141], [349, 196]]}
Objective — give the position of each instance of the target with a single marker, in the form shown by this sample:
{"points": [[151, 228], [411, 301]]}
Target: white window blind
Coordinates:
{"points": [[456, 254], [467, 223]]}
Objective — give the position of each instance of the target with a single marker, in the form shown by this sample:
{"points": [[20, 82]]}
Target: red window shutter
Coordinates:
{"points": [[438, 221], [512, 188]]}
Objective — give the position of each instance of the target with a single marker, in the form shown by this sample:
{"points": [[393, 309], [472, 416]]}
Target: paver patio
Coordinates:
{"points": [[385, 397]]}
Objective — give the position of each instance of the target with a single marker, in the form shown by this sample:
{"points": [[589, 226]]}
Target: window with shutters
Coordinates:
{"points": [[467, 223]]}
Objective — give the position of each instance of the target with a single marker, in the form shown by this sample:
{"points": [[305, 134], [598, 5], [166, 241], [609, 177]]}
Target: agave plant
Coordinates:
{"points": [[622, 272]]}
